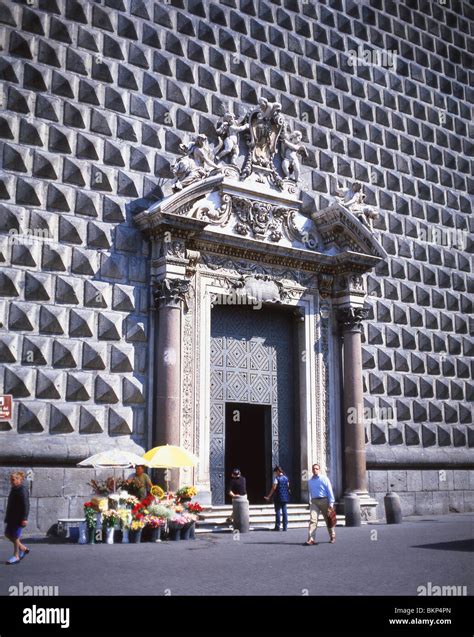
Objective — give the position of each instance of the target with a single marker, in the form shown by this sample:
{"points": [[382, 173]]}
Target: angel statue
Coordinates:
{"points": [[291, 148], [228, 130], [196, 163], [353, 198]]}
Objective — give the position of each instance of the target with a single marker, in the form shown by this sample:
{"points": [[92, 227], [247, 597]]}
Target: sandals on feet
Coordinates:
{"points": [[13, 560]]}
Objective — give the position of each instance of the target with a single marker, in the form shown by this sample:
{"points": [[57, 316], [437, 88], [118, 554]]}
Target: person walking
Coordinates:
{"points": [[16, 516], [281, 490], [322, 499]]}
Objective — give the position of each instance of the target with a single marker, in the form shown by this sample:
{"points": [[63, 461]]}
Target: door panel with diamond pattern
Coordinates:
{"points": [[251, 362]]}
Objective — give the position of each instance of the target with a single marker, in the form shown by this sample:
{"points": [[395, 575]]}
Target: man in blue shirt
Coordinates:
{"points": [[322, 499], [281, 490]]}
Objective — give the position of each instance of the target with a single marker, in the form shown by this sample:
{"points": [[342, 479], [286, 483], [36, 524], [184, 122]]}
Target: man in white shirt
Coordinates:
{"points": [[321, 499]]}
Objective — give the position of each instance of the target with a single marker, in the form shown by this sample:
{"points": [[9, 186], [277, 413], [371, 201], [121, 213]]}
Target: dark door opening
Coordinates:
{"points": [[248, 447]]}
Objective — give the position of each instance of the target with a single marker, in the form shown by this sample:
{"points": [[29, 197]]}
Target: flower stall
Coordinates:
{"points": [[119, 516]]}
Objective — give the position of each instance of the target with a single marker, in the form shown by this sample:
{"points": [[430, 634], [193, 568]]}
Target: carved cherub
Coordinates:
{"points": [[291, 148], [228, 130], [353, 198]]}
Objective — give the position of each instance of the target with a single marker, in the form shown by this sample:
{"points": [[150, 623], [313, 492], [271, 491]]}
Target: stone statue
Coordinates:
{"points": [[291, 148], [196, 163], [228, 130], [353, 198]]}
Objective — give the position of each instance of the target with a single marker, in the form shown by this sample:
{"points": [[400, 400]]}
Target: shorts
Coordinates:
{"points": [[14, 531]]}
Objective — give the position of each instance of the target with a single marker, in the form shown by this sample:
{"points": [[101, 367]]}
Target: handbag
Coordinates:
{"points": [[332, 517]]}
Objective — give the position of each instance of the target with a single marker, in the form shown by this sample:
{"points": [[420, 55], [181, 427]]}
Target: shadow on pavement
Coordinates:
{"points": [[457, 545]]}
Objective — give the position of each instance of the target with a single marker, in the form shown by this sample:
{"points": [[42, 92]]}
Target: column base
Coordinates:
{"points": [[368, 506]]}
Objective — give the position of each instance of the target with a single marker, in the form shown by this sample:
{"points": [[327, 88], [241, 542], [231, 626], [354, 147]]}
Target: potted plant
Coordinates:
{"points": [[91, 520], [110, 519]]}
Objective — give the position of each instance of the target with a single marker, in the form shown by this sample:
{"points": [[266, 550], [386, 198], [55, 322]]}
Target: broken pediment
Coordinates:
{"points": [[224, 211]]}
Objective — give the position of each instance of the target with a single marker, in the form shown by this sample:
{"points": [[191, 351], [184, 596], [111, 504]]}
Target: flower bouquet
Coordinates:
{"points": [[157, 492], [185, 494], [90, 514]]}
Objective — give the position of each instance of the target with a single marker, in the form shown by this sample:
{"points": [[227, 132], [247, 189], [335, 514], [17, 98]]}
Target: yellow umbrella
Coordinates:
{"points": [[170, 457]]}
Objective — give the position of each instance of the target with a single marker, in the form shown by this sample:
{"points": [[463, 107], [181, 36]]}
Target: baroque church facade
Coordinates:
{"points": [[224, 225]]}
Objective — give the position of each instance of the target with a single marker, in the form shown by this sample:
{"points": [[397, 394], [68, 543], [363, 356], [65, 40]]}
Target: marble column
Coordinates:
{"points": [[355, 470], [169, 297]]}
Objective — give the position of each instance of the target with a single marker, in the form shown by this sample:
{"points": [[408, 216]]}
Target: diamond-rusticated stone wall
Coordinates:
{"points": [[95, 99]]}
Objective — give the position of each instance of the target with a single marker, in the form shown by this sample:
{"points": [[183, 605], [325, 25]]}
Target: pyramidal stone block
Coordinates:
{"points": [[91, 420], [33, 353], [8, 349], [22, 255], [122, 299], [81, 323], [120, 421], [18, 382], [20, 317], [132, 391], [62, 419], [120, 360], [47, 385], [64, 354], [66, 291], [52, 258], [32, 417], [8, 287], [106, 390], [93, 356], [110, 327], [94, 295], [36, 287], [51, 320], [82, 262], [77, 387]]}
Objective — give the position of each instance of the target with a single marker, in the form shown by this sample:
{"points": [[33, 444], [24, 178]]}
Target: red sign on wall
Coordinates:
{"points": [[6, 407]]}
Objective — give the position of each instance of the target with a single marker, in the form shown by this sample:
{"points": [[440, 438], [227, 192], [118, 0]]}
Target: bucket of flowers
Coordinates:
{"points": [[176, 524], [125, 517], [155, 524], [136, 528], [110, 519], [90, 514], [191, 511]]}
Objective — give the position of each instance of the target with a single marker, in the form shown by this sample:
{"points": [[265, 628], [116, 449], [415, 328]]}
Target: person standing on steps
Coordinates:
{"points": [[16, 516], [322, 499], [281, 491]]}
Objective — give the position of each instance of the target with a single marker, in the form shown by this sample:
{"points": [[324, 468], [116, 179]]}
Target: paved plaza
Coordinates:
{"points": [[374, 559]]}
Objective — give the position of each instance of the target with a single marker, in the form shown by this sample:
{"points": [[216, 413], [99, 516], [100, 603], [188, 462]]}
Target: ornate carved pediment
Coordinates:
{"points": [[340, 228]]}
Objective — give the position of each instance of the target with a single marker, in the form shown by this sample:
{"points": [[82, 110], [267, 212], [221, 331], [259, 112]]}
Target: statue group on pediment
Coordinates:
{"points": [[266, 133]]}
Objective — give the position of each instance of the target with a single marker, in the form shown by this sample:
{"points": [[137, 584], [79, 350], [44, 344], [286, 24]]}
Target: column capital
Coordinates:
{"points": [[350, 318], [170, 292]]}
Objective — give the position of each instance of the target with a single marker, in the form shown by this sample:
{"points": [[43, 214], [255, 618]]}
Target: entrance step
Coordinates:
{"points": [[262, 516]]}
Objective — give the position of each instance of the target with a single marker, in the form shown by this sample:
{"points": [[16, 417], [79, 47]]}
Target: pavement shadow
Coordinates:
{"points": [[455, 545]]}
